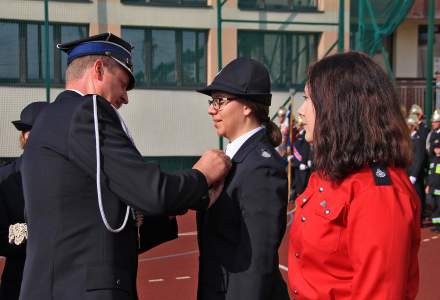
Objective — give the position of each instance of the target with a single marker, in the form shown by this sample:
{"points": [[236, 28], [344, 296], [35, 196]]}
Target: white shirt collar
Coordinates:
{"points": [[233, 147], [76, 91]]}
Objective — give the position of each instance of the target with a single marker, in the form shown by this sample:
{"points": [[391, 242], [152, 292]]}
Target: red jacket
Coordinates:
{"points": [[356, 240]]}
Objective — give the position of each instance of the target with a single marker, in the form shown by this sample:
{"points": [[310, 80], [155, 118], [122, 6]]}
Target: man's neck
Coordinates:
{"points": [[83, 85]]}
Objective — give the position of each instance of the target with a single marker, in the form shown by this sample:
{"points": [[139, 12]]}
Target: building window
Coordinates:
{"points": [[167, 2], [283, 5], [168, 57], [22, 53], [286, 55]]}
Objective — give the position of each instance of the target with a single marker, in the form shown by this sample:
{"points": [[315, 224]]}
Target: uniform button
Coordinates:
{"points": [[118, 281], [304, 200], [303, 219], [296, 254], [295, 291], [321, 189], [327, 211]]}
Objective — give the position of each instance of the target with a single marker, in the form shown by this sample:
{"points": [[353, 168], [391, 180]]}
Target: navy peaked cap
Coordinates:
{"points": [[245, 78], [106, 44], [28, 115]]}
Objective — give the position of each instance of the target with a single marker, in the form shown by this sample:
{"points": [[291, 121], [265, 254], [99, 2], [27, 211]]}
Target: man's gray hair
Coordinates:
{"points": [[76, 69]]}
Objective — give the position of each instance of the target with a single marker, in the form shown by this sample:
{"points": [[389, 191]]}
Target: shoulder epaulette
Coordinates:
{"points": [[381, 176]]}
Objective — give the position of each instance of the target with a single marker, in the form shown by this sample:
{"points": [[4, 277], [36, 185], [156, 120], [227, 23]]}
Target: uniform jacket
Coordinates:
{"points": [[432, 136], [11, 212], [433, 180], [356, 240], [423, 131], [301, 155], [71, 255], [417, 167], [240, 234]]}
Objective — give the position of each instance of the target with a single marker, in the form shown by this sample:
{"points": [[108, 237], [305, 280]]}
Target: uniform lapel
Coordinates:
{"points": [[249, 145]]}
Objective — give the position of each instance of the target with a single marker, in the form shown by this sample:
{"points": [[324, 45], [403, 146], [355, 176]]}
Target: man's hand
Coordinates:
{"points": [[214, 192], [214, 164]]}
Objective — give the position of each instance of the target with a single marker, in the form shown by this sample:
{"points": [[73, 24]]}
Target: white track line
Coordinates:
{"points": [[426, 240], [284, 268], [156, 280], [183, 277], [168, 256], [190, 233]]}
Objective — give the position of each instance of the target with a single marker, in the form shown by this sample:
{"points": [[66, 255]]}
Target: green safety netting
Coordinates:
{"points": [[373, 20]]}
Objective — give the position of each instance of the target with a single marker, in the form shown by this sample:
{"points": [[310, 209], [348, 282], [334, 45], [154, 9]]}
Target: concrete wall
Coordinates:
{"points": [[162, 122], [405, 53]]}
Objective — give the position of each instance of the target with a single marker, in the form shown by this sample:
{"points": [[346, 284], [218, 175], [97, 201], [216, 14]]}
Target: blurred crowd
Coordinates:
{"points": [[424, 172]]}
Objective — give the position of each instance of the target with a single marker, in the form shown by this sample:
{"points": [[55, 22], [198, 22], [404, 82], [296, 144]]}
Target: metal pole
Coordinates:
{"points": [[280, 22], [46, 43], [219, 47], [341, 26], [361, 27], [429, 60]]}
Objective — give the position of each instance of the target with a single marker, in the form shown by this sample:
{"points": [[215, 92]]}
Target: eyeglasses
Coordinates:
{"points": [[218, 103]]}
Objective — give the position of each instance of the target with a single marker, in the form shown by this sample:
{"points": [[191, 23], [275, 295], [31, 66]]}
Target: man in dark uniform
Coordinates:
{"points": [[12, 223], [301, 160], [416, 170], [422, 127], [83, 178]]}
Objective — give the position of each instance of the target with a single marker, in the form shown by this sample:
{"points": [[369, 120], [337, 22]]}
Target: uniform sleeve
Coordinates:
{"points": [[383, 245], [7, 249], [123, 170], [4, 228], [263, 204], [419, 158]]}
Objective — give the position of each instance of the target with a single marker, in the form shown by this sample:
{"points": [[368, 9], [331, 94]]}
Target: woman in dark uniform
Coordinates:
{"points": [[239, 236], [12, 210]]}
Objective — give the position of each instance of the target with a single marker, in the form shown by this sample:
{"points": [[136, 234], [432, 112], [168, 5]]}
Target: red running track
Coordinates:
{"points": [[169, 271]]}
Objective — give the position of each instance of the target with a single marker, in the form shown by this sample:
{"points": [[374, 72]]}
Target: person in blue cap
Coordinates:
{"points": [[239, 235], [84, 181], [12, 221]]}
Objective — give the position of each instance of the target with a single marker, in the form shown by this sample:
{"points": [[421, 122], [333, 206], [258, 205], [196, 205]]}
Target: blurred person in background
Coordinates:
{"points": [[283, 125], [301, 159], [416, 170], [13, 229], [356, 230], [433, 184], [434, 134], [422, 127]]}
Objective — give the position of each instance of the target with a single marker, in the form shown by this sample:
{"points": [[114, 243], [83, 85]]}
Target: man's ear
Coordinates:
{"points": [[98, 69]]}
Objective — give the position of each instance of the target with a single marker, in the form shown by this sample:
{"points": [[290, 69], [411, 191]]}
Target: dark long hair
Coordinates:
{"points": [[261, 113], [358, 119]]}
